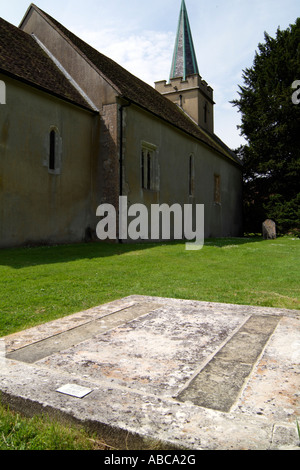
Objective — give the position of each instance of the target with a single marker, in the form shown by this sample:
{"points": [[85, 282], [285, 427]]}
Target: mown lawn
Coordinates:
{"points": [[41, 433], [38, 285]]}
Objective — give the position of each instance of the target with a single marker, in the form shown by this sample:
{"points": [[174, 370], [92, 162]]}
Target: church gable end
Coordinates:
{"points": [[22, 58]]}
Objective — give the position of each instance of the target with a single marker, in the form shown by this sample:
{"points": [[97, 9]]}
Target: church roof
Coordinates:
{"points": [[138, 92], [23, 59], [184, 59]]}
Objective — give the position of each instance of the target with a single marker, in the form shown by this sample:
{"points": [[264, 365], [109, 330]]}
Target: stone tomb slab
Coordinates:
{"points": [[156, 353], [187, 374], [218, 385], [58, 342]]}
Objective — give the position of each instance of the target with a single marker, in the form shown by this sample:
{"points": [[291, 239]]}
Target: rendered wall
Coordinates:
{"points": [[37, 206]]}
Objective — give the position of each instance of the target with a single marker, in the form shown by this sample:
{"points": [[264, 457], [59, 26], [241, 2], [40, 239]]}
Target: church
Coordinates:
{"points": [[77, 131]]}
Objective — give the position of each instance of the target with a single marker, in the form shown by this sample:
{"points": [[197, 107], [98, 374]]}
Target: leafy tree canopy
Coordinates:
{"points": [[271, 126]]}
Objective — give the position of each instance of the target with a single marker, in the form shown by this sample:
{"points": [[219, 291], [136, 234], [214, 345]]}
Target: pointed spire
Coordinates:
{"points": [[184, 58]]}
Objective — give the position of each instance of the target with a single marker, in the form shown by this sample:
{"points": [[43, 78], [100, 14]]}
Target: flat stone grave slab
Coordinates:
{"points": [[143, 370]]}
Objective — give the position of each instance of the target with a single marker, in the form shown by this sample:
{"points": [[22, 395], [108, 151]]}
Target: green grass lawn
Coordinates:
{"points": [[41, 433], [38, 285]]}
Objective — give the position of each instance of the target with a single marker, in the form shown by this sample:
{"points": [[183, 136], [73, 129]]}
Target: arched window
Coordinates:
{"points": [[149, 167], [52, 150]]}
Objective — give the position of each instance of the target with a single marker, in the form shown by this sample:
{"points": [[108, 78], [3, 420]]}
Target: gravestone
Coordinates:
{"points": [[269, 230]]}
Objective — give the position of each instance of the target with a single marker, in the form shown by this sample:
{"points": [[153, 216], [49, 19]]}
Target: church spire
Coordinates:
{"points": [[186, 87], [184, 59]]}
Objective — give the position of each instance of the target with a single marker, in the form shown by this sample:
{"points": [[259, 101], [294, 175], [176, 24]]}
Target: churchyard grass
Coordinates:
{"points": [[38, 285], [41, 284], [40, 433]]}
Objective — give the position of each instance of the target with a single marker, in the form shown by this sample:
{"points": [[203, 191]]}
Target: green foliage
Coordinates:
{"points": [[271, 123]]}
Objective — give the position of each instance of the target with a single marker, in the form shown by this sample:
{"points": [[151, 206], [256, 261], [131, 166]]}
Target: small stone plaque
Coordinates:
{"points": [[74, 390]]}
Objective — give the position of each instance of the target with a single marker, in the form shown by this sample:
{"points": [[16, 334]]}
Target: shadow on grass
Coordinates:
{"points": [[22, 257]]}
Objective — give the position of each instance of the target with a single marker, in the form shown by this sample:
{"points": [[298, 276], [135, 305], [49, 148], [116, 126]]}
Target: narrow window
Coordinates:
{"points": [[191, 176], [143, 169], [205, 113], [52, 150], [149, 167], [148, 171], [217, 189]]}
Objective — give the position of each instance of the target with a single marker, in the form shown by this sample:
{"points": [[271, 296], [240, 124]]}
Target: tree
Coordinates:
{"points": [[271, 125]]}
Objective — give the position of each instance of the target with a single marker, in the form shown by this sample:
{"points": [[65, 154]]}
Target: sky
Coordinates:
{"points": [[140, 36]]}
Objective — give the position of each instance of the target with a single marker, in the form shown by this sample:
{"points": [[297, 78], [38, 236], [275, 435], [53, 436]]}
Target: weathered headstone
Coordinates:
{"points": [[269, 230]]}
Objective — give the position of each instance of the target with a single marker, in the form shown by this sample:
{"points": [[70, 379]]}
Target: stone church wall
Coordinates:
{"points": [[37, 204], [173, 150]]}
